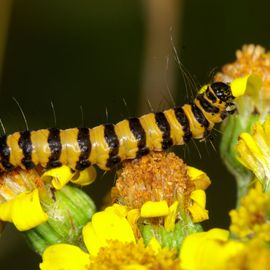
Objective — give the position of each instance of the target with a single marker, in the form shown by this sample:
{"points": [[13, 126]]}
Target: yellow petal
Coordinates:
{"points": [[154, 244], [58, 176], [194, 173], [64, 257], [106, 225], [266, 127], [245, 156], [117, 209], [199, 197], [85, 177], [200, 178], [197, 209], [198, 213], [24, 211], [170, 219], [247, 85], [218, 234], [253, 152], [208, 250], [155, 209], [250, 142], [132, 217]]}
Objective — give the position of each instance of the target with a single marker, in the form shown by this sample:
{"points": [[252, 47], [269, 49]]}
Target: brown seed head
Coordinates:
{"points": [[155, 177]]}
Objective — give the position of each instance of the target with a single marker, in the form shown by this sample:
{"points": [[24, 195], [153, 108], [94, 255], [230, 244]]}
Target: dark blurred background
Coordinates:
{"points": [[115, 56]]}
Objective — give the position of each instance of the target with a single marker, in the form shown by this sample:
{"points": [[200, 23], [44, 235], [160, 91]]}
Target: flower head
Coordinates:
{"points": [[46, 215], [20, 199], [26, 194], [134, 256], [251, 219], [161, 184], [154, 177]]}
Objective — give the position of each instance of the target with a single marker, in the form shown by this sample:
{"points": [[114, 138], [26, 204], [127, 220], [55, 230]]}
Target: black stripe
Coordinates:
{"points": [[5, 154], [55, 147], [165, 128], [26, 145], [199, 116], [113, 143], [223, 115], [210, 95], [206, 105], [85, 148], [140, 135], [183, 120]]}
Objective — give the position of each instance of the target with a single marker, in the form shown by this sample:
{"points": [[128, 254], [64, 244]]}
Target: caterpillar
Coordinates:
{"points": [[108, 144]]}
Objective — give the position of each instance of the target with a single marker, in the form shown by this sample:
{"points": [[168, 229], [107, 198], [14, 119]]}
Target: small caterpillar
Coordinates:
{"points": [[107, 145]]}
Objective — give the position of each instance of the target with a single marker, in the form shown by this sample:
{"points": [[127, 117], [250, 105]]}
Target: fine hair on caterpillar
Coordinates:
{"points": [[107, 145]]}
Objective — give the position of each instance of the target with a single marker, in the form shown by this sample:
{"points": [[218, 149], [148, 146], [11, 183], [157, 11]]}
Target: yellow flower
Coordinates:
{"points": [[24, 211], [20, 204], [111, 244], [254, 151], [251, 219], [22, 193], [208, 250]]}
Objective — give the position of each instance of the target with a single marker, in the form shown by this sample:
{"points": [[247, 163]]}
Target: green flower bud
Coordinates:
{"points": [[69, 209]]}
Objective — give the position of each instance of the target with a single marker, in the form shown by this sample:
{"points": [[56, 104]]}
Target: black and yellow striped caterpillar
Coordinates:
{"points": [[107, 145]]}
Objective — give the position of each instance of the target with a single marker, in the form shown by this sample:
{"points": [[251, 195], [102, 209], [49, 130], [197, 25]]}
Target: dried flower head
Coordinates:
{"points": [[155, 177], [251, 59]]}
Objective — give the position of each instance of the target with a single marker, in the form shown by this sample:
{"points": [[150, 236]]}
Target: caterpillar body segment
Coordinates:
{"points": [[107, 145]]}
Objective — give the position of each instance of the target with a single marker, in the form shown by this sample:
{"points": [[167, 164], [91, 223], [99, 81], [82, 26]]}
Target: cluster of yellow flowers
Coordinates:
{"points": [[152, 220]]}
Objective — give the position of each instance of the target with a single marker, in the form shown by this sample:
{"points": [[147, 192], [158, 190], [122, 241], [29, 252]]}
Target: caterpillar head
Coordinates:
{"points": [[222, 91]]}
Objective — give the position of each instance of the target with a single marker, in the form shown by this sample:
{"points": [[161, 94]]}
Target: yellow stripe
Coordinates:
{"points": [[41, 150], [127, 142], [100, 149], [196, 129], [177, 132], [16, 154], [153, 133], [70, 147]]}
